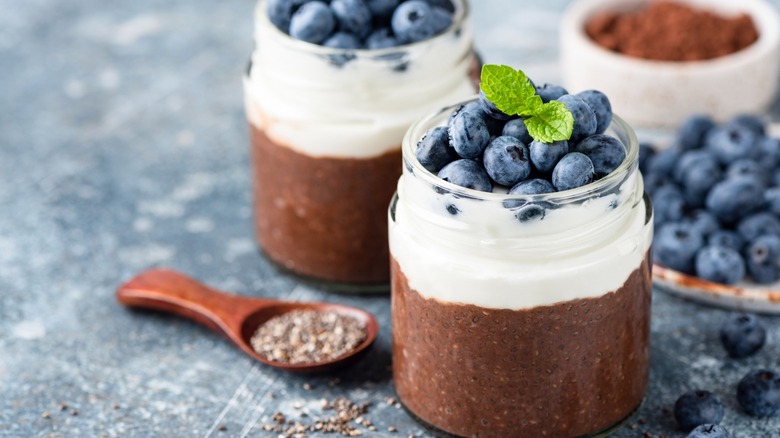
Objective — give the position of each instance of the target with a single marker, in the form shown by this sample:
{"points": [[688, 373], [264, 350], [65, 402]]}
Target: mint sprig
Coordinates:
{"points": [[512, 92]]}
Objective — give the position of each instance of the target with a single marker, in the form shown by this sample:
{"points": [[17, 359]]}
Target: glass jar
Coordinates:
{"points": [[520, 315], [326, 128]]}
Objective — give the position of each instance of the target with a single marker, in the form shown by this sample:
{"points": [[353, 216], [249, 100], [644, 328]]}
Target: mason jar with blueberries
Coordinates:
{"points": [[330, 90], [520, 295]]}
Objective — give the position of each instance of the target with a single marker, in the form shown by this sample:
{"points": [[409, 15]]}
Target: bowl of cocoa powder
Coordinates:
{"points": [[661, 61]]}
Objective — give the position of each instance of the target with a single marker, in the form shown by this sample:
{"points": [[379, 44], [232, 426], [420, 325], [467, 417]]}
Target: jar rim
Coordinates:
{"points": [[614, 179], [462, 12]]}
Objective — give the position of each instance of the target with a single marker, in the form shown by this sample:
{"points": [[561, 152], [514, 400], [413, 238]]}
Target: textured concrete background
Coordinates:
{"points": [[123, 146]]}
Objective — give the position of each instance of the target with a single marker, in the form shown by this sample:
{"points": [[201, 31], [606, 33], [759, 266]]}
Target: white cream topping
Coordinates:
{"points": [[361, 109], [484, 256]]}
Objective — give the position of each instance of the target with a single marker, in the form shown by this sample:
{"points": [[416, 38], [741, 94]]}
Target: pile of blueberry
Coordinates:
{"points": [[361, 24], [716, 193], [482, 148], [758, 393]]}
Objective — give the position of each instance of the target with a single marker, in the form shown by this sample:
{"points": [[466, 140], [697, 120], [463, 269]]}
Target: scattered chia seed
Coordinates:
{"points": [[46, 415], [345, 415], [63, 406], [307, 337]]}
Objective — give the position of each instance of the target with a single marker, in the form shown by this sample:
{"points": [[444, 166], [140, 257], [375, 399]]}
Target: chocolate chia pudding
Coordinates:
{"points": [[326, 127]]}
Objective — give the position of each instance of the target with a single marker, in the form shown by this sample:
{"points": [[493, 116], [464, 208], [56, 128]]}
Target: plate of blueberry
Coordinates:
{"points": [[716, 197]]}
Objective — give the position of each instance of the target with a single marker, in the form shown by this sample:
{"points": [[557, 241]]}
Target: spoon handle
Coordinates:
{"points": [[172, 292]]}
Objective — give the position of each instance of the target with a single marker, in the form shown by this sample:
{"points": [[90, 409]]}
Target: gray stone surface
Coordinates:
{"points": [[123, 146]]}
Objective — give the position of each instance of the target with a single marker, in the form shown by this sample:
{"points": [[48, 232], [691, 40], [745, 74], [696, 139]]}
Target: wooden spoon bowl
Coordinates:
{"points": [[235, 317]]}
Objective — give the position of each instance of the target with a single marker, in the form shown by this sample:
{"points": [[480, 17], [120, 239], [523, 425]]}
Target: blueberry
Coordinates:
{"points": [[697, 181], [768, 153], [352, 16], [602, 108], [469, 135], [693, 131], [733, 199], [442, 20], [665, 161], [526, 211], [742, 335], [413, 21], [447, 5], [728, 239], [545, 156], [749, 168], [585, 121], [759, 224], [434, 150], [731, 143], [646, 153], [695, 408], [772, 199], [381, 38], [749, 121], [382, 8], [702, 221], [550, 92], [720, 264], [466, 173], [574, 170], [676, 246], [709, 431], [759, 393], [342, 40], [763, 259], [606, 153], [313, 22], [516, 128], [654, 181], [669, 204], [776, 178], [495, 127], [507, 161], [693, 158], [281, 11], [490, 108]]}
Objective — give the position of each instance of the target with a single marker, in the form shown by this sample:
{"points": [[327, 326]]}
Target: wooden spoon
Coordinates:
{"points": [[233, 316]]}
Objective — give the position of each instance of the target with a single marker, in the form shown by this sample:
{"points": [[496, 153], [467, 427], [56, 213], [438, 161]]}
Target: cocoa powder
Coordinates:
{"points": [[671, 31]]}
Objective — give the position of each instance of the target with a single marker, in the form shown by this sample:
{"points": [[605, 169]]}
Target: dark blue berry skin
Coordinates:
{"points": [[413, 21], [702, 221], [447, 5], [469, 135], [698, 407], [772, 199], [585, 121], [693, 158], [731, 143], [516, 128], [763, 259], [720, 264], [676, 245], [757, 225], [709, 431], [669, 204], [281, 11], [381, 38], [530, 210], [382, 8], [352, 16], [495, 127], [606, 153], [466, 173], [728, 239], [550, 92], [507, 161], [768, 153], [313, 22], [342, 40], [749, 121], [646, 153], [434, 150], [747, 167], [654, 181], [693, 131], [742, 335], [697, 181], [735, 198], [759, 393], [665, 161], [776, 178], [574, 170], [602, 108], [545, 156], [442, 20], [490, 108]]}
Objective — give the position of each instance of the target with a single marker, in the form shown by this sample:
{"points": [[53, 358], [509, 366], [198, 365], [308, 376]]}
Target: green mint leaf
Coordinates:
{"points": [[531, 106], [507, 88], [551, 122]]}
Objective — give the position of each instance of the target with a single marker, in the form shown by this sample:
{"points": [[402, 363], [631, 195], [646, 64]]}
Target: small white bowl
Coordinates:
{"points": [[664, 93]]}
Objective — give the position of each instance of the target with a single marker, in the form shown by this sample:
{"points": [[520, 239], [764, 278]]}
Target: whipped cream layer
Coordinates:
{"points": [[361, 109], [486, 257]]}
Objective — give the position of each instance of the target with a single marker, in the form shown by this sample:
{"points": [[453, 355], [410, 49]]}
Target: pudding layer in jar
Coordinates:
{"points": [[326, 127], [505, 327]]}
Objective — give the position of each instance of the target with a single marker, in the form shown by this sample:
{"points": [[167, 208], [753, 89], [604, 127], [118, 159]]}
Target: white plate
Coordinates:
{"points": [[744, 296]]}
